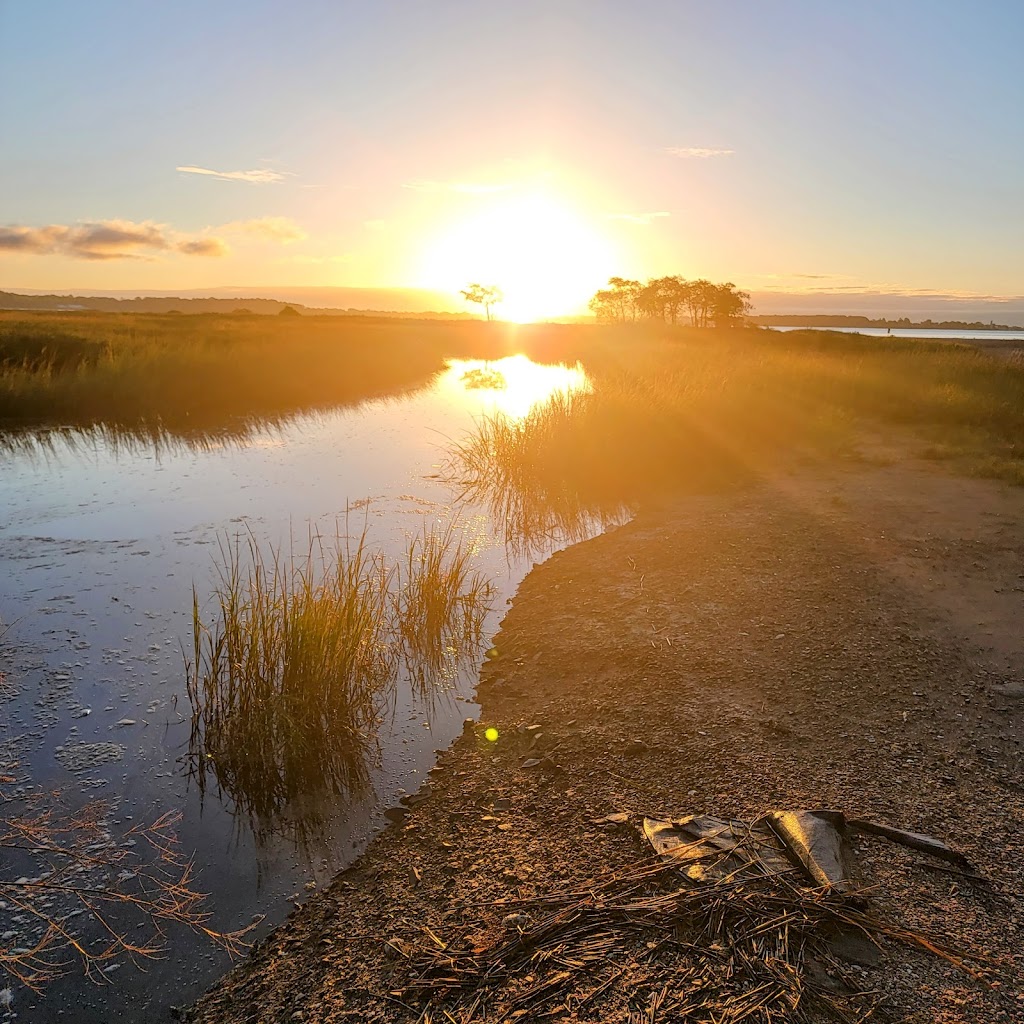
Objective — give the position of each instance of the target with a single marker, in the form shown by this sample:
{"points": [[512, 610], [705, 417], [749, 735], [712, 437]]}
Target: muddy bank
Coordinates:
{"points": [[849, 639]]}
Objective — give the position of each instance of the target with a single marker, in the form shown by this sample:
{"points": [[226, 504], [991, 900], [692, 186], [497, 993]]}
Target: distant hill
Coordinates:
{"points": [[362, 302]]}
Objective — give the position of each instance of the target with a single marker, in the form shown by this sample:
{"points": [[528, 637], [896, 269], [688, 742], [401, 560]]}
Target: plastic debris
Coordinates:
{"points": [[915, 840], [816, 843]]}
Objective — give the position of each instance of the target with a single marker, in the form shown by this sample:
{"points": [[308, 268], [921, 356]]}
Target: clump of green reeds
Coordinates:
{"points": [[289, 677], [439, 605], [293, 672]]}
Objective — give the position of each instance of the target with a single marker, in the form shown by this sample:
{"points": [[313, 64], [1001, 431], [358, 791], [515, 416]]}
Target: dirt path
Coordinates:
{"points": [[852, 639]]}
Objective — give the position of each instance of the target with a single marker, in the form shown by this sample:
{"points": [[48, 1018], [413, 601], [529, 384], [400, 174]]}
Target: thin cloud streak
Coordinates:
{"points": [[107, 240], [697, 152], [254, 177]]}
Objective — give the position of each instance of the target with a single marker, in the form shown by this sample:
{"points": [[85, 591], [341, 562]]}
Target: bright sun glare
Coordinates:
{"points": [[541, 253], [512, 385]]}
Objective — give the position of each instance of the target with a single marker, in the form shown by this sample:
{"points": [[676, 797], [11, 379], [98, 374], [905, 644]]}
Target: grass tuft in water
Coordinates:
{"points": [[294, 670], [291, 673], [439, 606]]}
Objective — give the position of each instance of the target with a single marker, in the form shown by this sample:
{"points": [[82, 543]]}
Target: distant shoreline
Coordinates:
{"points": [[902, 323], [242, 305]]}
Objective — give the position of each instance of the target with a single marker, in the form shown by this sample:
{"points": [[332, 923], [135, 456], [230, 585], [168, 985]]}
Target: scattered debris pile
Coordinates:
{"points": [[731, 921]]}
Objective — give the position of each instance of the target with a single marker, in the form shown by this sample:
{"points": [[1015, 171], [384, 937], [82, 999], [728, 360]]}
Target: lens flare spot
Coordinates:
{"points": [[491, 734]]}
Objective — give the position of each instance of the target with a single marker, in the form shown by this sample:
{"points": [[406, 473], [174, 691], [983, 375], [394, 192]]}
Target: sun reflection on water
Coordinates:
{"points": [[512, 385]]}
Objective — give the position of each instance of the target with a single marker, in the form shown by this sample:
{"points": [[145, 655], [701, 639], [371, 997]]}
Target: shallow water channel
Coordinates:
{"points": [[100, 545]]}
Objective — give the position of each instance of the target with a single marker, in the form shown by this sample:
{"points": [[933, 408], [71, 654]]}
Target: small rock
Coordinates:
{"points": [[618, 818], [634, 747]]}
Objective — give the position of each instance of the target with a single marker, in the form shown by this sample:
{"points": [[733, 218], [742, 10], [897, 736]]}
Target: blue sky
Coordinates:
{"points": [[790, 146]]}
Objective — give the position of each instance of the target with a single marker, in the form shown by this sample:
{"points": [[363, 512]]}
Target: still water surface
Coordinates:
{"points": [[100, 545], [994, 338]]}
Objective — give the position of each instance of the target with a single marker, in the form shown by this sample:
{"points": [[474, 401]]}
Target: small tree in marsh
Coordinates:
{"points": [[486, 295]]}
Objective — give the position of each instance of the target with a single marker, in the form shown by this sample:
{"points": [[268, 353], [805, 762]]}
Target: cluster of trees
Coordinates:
{"points": [[673, 300]]}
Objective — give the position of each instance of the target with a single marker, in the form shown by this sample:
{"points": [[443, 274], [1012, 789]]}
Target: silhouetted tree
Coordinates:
{"points": [[662, 298], [668, 299], [729, 305], [485, 295], [619, 303]]}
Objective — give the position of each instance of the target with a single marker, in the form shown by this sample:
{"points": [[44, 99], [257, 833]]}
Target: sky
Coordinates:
{"points": [[860, 154]]}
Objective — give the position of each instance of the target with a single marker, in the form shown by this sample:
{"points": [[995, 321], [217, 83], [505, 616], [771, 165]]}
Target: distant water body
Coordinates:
{"points": [[950, 334]]}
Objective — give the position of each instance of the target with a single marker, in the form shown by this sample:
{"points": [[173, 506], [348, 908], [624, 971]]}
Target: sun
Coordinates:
{"points": [[543, 255]]}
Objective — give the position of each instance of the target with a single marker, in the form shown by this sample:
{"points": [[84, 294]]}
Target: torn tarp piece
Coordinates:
{"points": [[914, 840], [710, 849], [817, 840], [813, 843]]}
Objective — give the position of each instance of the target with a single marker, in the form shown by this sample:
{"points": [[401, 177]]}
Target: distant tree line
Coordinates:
{"points": [[673, 300]]}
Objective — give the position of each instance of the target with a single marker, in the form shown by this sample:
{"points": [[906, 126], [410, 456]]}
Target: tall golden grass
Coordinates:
{"points": [[213, 377], [694, 410]]}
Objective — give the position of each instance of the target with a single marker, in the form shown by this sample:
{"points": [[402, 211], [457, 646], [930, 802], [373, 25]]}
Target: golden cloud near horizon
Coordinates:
{"points": [[125, 239], [107, 240]]}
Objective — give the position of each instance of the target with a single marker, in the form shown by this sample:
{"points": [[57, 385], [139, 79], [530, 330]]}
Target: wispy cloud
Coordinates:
{"points": [[639, 218], [107, 240], [205, 246], [262, 176], [271, 229], [836, 284], [697, 152], [463, 187]]}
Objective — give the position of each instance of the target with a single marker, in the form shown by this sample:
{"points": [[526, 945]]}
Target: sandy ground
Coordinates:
{"points": [[850, 638]]}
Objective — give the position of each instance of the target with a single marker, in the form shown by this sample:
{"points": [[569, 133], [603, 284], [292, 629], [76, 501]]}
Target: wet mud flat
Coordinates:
{"points": [[847, 639]]}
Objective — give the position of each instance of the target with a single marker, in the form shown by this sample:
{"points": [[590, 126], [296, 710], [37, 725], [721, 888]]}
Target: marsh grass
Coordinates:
{"points": [[438, 606], [289, 677], [693, 411], [524, 471], [221, 380], [298, 664], [212, 377]]}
